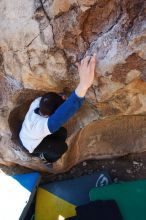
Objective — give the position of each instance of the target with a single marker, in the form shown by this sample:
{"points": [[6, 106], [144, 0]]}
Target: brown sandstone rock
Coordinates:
{"points": [[112, 137], [40, 42]]}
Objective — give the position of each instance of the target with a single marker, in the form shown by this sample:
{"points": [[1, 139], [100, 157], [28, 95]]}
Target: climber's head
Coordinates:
{"points": [[50, 102]]}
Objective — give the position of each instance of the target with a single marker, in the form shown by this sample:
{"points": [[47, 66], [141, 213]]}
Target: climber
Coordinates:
{"points": [[42, 134]]}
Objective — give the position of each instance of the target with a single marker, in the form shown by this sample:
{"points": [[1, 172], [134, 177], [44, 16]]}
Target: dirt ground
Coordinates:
{"points": [[131, 167]]}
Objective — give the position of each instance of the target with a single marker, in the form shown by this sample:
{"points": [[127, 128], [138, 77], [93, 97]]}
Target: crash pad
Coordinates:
{"points": [[17, 193], [130, 197], [58, 200]]}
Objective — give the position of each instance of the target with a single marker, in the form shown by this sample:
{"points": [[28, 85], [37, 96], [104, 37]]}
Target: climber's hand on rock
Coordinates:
{"points": [[86, 72]]}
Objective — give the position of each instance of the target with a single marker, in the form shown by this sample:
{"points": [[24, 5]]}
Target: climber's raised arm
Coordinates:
{"points": [[73, 103]]}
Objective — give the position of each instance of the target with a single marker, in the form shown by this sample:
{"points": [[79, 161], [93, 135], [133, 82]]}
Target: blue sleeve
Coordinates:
{"points": [[64, 112]]}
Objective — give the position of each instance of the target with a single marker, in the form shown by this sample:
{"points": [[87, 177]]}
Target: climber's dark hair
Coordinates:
{"points": [[50, 102]]}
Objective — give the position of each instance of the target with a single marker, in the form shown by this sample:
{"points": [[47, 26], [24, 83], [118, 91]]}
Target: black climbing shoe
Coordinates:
{"points": [[46, 163]]}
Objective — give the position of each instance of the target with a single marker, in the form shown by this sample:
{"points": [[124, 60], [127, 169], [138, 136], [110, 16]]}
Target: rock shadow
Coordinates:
{"points": [[17, 115]]}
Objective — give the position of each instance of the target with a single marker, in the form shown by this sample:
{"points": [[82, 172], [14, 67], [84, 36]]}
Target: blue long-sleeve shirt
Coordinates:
{"points": [[64, 112]]}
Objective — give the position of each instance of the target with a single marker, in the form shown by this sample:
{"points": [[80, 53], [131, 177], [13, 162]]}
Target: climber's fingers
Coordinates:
{"points": [[92, 62], [85, 61], [78, 65]]}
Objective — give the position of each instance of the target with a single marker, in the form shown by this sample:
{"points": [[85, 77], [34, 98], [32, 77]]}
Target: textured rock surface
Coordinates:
{"points": [[40, 42]]}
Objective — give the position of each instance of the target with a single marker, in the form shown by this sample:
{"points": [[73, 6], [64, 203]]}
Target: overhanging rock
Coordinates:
{"points": [[40, 43]]}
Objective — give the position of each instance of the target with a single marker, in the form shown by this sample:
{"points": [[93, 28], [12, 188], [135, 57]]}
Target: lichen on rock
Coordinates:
{"points": [[40, 42]]}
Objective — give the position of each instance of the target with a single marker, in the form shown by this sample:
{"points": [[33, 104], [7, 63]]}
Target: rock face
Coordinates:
{"points": [[40, 42]]}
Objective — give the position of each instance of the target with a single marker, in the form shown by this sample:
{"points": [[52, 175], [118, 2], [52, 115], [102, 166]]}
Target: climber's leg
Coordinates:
{"points": [[51, 150], [52, 146]]}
